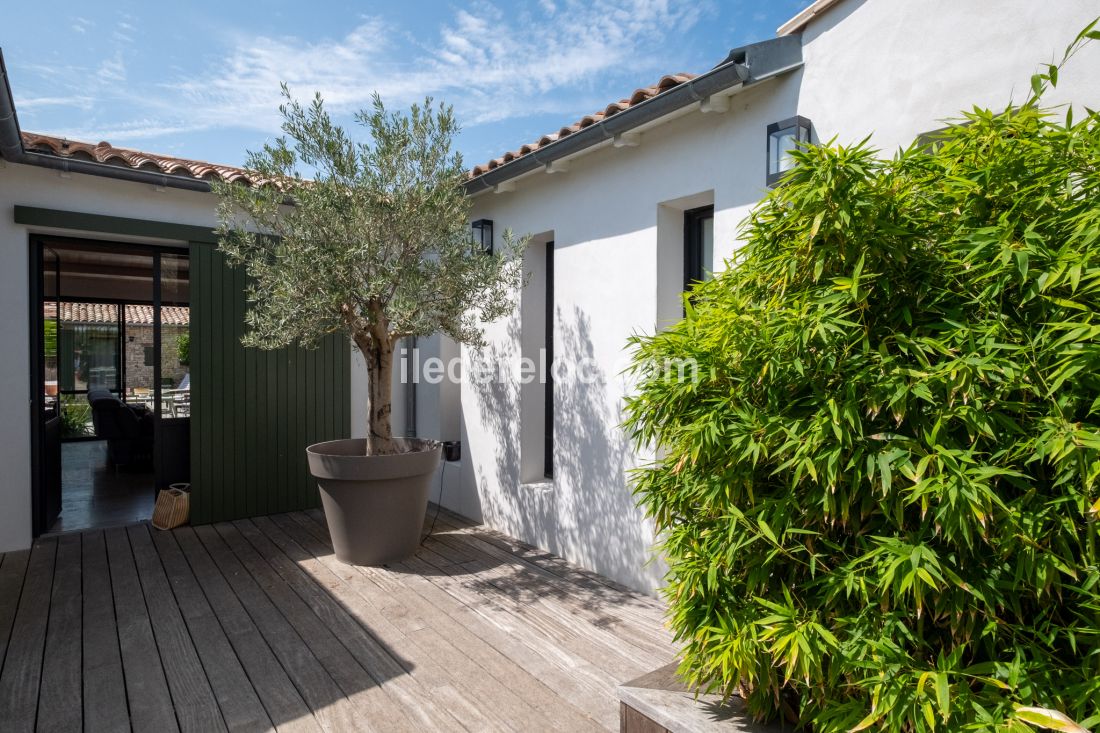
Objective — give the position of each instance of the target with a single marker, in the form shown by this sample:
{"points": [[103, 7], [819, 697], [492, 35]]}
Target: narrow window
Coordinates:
{"points": [[548, 395], [698, 245], [536, 388]]}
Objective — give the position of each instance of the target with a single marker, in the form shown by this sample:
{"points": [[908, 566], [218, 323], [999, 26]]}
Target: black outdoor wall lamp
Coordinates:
{"points": [[482, 234], [783, 137]]}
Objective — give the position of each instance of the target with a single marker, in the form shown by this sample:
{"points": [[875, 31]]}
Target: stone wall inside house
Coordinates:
{"points": [[139, 342]]}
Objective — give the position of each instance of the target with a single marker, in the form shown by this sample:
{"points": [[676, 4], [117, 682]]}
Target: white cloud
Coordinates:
{"points": [[32, 103], [112, 70], [489, 64], [142, 129], [243, 89], [124, 31]]}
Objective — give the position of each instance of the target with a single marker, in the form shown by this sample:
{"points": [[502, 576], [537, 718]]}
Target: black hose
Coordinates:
{"points": [[438, 504]]}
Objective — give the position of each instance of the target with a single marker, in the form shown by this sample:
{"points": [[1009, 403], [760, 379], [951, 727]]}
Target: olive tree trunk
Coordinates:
{"points": [[378, 353]]}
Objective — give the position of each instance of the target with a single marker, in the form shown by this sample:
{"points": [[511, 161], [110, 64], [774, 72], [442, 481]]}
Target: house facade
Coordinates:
{"points": [[623, 208], [621, 214]]}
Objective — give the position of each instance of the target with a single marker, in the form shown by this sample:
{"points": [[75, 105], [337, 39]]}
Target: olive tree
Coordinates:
{"points": [[371, 239]]}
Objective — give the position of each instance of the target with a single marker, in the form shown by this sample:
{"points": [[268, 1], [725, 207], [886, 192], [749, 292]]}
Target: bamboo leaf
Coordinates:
{"points": [[1048, 718], [943, 695], [866, 723]]}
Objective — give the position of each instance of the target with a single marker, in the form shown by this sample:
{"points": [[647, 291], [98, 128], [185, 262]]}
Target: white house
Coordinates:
{"points": [[620, 208], [623, 207]]}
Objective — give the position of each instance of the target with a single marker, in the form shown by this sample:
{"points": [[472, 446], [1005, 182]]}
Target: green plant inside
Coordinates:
{"points": [[183, 348], [76, 416]]}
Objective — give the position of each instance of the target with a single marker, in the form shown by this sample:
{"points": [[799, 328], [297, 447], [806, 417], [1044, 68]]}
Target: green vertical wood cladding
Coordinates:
{"points": [[254, 412]]}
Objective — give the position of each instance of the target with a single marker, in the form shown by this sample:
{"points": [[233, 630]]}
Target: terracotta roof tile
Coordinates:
{"points": [[108, 154], [136, 314], [640, 95]]}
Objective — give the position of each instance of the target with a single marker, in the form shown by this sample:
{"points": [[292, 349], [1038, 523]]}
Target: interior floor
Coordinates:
{"points": [[94, 495]]}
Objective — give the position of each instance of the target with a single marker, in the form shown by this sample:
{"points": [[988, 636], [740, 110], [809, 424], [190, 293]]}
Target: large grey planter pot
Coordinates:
{"points": [[374, 505]]}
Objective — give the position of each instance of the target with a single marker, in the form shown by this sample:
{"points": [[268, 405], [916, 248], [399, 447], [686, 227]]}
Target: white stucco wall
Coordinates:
{"points": [[889, 68], [894, 69], [614, 217]]}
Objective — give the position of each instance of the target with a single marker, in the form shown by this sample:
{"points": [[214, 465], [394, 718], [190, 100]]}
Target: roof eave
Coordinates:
{"points": [[744, 66], [89, 167]]}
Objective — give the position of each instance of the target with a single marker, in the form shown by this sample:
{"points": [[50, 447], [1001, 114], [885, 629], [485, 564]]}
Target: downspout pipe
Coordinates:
{"points": [[744, 66], [11, 143], [12, 150]]}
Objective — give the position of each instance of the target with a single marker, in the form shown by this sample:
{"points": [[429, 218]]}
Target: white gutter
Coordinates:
{"points": [[800, 21]]}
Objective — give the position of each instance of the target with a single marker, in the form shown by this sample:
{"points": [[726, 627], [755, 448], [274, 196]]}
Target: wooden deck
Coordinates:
{"points": [[254, 625]]}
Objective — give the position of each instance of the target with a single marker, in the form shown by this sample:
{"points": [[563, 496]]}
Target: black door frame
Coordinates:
{"points": [[37, 242]]}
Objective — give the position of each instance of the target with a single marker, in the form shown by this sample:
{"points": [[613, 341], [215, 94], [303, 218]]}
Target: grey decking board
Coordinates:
{"points": [[586, 640], [481, 646], [425, 678], [599, 626], [378, 661], [150, 701], [606, 673], [318, 532], [492, 696], [280, 696], [476, 631], [281, 526], [316, 619], [565, 690], [321, 692], [237, 699], [662, 700], [192, 697], [104, 683], [12, 572], [597, 611], [583, 670], [569, 628], [588, 596], [62, 660], [22, 671], [548, 560], [642, 606]]}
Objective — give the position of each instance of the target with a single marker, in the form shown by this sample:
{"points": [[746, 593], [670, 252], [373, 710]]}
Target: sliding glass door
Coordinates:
{"points": [[113, 326]]}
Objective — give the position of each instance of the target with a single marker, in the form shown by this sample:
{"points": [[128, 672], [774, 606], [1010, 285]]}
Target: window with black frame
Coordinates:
{"points": [[698, 245]]}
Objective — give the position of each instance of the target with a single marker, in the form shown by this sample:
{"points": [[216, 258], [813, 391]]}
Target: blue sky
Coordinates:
{"points": [[201, 79]]}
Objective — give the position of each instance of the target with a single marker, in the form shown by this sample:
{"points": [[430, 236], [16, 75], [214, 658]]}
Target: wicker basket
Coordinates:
{"points": [[173, 507]]}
